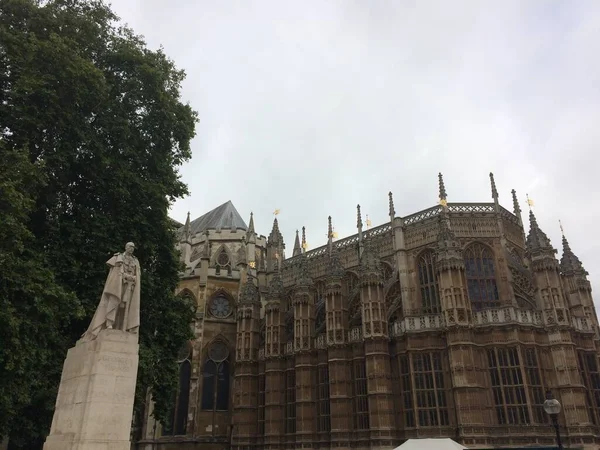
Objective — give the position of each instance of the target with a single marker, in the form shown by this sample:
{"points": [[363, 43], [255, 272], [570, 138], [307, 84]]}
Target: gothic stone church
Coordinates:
{"points": [[449, 322]]}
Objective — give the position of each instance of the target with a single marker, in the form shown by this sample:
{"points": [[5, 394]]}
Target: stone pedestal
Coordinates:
{"points": [[94, 407]]}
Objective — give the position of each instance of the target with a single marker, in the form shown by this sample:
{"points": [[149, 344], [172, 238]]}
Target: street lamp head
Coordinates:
{"points": [[551, 405]]}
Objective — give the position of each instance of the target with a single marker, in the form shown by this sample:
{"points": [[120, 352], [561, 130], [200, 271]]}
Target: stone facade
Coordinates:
{"points": [[450, 322]]}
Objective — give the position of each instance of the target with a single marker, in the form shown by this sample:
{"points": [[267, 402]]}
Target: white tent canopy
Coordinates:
{"points": [[430, 444]]}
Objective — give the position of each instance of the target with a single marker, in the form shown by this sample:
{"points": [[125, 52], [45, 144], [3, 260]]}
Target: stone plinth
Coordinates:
{"points": [[94, 406]]}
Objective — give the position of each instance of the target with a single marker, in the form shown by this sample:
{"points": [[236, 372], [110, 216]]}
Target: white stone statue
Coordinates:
{"points": [[119, 306]]}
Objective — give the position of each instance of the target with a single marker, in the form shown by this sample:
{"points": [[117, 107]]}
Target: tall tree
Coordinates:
{"points": [[95, 121]]}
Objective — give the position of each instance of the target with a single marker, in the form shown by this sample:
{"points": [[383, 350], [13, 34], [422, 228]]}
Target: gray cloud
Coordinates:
{"points": [[313, 107]]}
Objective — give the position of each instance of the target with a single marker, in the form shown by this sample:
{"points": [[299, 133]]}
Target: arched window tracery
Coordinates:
{"points": [[216, 378], [481, 277], [428, 283], [222, 262]]}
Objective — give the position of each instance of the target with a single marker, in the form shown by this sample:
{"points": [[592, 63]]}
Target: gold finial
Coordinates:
{"points": [[368, 222], [529, 201], [276, 212]]}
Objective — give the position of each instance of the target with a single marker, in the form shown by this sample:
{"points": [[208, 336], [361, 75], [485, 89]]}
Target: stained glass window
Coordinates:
{"points": [[508, 386], [588, 365], [216, 378], [428, 283], [324, 411], [481, 277], [209, 375], [183, 400], [361, 401], [290, 401], [223, 386]]}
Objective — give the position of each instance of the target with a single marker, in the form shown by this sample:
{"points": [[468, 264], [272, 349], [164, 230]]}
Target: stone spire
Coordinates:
{"points": [[392, 212], [185, 236], [516, 206], [449, 253], [335, 269], [442, 189], [251, 223], [304, 240], [359, 225], [275, 236], [493, 185], [329, 236], [359, 222], [539, 249], [570, 263], [537, 241], [297, 248], [304, 280], [249, 291]]}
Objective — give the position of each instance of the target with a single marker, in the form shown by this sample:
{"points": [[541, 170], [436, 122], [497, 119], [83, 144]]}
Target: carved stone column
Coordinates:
{"points": [[468, 387], [340, 380], [245, 405], [377, 355], [274, 366], [304, 324]]}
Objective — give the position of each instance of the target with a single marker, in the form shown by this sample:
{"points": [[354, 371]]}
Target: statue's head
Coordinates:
{"points": [[129, 248]]}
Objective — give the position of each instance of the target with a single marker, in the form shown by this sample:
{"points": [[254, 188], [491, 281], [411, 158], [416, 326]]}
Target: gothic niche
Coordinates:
{"points": [[289, 325], [393, 301], [355, 312], [223, 262], [320, 317], [387, 271], [351, 281], [220, 306], [261, 333]]}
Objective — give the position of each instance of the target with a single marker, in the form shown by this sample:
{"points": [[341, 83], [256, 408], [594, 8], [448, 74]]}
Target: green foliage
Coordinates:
{"points": [[92, 130]]}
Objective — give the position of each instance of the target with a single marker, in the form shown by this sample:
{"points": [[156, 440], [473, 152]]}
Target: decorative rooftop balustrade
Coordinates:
{"points": [[453, 208]]}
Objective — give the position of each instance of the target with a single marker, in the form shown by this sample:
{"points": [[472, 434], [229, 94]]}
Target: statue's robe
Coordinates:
{"points": [[112, 297]]}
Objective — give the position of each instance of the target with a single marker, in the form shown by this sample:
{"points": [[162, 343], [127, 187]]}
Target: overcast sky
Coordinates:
{"points": [[314, 106]]}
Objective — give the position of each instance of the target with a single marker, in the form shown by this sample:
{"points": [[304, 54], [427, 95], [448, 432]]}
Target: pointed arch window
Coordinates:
{"points": [[216, 378], [223, 262], [481, 277], [361, 401], [181, 401], [428, 283]]}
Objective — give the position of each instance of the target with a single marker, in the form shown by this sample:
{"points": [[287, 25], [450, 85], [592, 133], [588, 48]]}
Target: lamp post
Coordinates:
{"points": [[552, 408]]}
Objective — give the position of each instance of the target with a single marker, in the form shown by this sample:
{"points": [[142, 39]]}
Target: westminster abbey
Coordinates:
{"points": [[450, 322]]}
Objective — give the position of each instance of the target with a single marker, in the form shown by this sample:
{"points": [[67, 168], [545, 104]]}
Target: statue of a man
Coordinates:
{"points": [[119, 306]]}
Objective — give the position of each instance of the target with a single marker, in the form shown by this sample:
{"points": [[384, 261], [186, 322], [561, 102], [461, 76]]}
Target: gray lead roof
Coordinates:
{"points": [[222, 217]]}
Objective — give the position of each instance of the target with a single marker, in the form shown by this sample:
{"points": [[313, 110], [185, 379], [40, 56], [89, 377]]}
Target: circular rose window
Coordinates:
{"points": [[220, 307]]}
